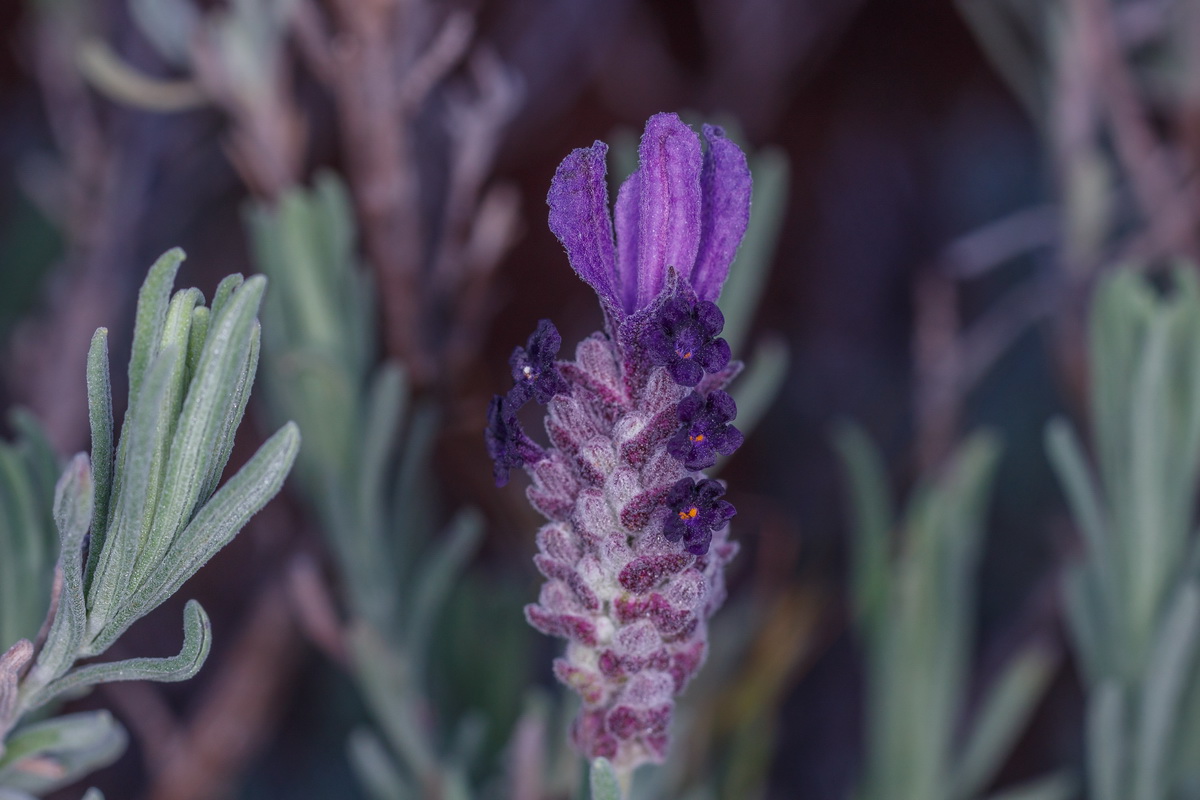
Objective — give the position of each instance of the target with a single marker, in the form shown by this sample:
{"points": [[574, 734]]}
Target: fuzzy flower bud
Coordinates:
{"points": [[636, 539]]}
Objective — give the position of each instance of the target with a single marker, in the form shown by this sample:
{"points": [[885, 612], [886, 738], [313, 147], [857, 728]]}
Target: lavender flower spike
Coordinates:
{"points": [[637, 537]]}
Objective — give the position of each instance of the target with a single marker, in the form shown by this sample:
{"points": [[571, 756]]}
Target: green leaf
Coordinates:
{"points": [[197, 640], [1005, 712], [66, 748], [222, 447], [871, 509], [153, 298], [72, 514], [100, 416], [1066, 455], [603, 781], [214, 526], [132, 503], [1106, 742], [1162, 694], [437, 575], [211, 401], [375, 768]]}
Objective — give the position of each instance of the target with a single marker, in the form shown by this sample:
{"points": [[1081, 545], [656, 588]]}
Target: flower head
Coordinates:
{"points": [[636, 540], [706, 431], [533, 369], [681, 336], [695, 510]]}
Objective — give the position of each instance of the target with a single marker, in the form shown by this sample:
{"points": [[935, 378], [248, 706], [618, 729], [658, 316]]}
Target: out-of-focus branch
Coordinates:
{"points": [[238, 710], [383, 60], [1168, 206], [103, 203]]}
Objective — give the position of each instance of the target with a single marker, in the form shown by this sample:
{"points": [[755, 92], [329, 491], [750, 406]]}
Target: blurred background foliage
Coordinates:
{"points": [[969, 216]]}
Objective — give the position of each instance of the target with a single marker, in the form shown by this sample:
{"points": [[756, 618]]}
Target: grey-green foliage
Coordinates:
{"points": [[365, 472], [913, 590], [1133, 601], [142, 515], [28, 544]]}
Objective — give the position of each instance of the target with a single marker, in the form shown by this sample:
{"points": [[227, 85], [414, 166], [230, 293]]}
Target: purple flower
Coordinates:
{"points": [[695, 511], [680, 209], [507, 443], [706, 431], [681, 336], [634, 548], [533, 368]]}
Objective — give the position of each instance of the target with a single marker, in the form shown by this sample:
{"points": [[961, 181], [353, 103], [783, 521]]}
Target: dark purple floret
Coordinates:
{"points": [[506, 441], [706, 431], [682, 338], [533, 368], [696, 510]]}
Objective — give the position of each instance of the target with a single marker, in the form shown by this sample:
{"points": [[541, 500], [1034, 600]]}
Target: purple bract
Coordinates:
{"points": [[636, 539]]}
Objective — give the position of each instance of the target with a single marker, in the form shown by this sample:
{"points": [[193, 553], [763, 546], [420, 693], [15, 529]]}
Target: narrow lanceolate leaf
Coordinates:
{"points": [[1170, 666], [225, 290], [201, 317], [1106, 743], [1066, 455], [131, 502], [197, 639], [871, 510], [155, 535], [213, 527], [152, 315], [439, 573], [375, 767], [222, 446], [100, 416], [210, 401], [1005, 711], [72, 514], [603, 781]]}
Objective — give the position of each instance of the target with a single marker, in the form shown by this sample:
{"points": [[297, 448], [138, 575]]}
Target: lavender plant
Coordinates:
{"points": [[1133, 600], [321, 368], [913, 602], [637, 537], [139, 517]]}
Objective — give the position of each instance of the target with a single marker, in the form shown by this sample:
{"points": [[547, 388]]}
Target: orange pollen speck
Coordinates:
{"points": [[689, 514], [688, 354], [699, 437]]}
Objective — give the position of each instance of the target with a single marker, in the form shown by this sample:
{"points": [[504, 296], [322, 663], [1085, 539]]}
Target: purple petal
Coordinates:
{"points": [[578, 203], [725, 212], [686, 372], [626, 218], [668, 203], [690, 406], [723, 405], [714, 356], [711, 320], [729, 440]]}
